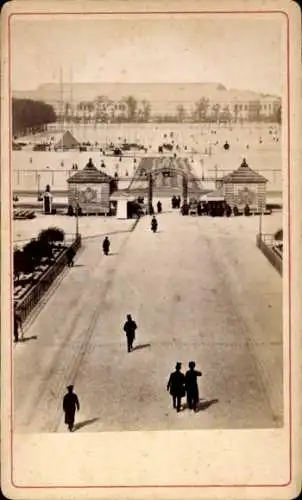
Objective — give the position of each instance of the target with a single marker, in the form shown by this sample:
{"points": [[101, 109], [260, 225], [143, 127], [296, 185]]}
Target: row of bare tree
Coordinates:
{"points": [[129, 109], [34, 115]]}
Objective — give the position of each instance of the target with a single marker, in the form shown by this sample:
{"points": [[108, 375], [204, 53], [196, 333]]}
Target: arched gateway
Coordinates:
{"points": [[166, 175]]}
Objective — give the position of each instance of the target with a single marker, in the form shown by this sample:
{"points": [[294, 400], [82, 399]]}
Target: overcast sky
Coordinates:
{"points": [[239, 53]]}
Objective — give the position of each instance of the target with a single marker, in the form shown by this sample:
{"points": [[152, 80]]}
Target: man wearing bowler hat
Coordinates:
{"points": [[70, 405]]}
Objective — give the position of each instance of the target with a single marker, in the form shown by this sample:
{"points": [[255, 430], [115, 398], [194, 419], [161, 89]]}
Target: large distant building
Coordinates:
{"points": [[109, 100]]}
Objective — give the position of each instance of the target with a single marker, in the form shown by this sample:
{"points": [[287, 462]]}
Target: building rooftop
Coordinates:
{"points": [[244, 174], [89, 174]]}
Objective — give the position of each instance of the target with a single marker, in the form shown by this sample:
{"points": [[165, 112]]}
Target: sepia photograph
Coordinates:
{"points": [[150, 215]]}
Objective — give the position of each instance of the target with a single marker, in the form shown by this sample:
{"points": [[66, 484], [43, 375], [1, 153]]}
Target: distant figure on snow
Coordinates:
{"points": [[159, 207], [106, 246], [130, 328], [192, 386], [154, 224], [176, 386], [70, 405]]}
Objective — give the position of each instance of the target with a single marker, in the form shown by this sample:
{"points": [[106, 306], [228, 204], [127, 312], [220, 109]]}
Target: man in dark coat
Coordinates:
{"points": [[192, 386], [130, 327], [17, 325], [70, 404], [154, 224], [176, 386], [106, 245], [70, 256]]}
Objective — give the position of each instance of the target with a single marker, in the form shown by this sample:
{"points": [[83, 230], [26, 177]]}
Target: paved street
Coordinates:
{"points": [[198, 289]]}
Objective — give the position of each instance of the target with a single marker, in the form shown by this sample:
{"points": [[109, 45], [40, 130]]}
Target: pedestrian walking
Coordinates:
{"points": [[192, 386], [154, 224], [176, 386], [17, 326], [70, 257], [106, 245], [130, 328], [70, 405], [159, 207]]}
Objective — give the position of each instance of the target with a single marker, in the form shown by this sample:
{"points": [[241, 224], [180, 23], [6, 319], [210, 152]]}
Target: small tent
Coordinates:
{"points": [[67, 141]]}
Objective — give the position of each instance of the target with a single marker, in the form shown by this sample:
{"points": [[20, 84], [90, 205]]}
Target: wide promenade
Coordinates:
{"points": [[199, 289]]}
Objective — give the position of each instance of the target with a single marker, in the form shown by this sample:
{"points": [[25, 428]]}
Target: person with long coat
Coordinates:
{"points": [[176, 386], [70, 405], [154, 224], [17, 325], [192, 386], [106, 245], [70, 257], [130, 327]]}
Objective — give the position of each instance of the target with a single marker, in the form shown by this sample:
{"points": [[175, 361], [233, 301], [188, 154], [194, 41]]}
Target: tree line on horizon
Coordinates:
{"points": [[129, 109], [34, 115]]}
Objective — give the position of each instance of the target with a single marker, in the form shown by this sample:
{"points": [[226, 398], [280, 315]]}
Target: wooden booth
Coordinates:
{"points": [[244, 187], [90, 190]]}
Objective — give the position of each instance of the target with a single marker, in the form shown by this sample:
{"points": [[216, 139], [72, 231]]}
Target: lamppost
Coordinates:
{"points": [[77, 214], [260, 220], [38, 179], [150, 193], [77, 220]]}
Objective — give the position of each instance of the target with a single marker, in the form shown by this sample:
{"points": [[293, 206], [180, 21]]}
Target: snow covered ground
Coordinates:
{"points": [[89, 226], [200, 142], [199, 289], [92, 226]]}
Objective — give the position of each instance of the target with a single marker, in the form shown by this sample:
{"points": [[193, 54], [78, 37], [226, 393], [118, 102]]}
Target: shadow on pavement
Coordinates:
{"points": [[111, 254], [25, 339], [140, 346], [78, 265], [79, 425], [202, 405]]}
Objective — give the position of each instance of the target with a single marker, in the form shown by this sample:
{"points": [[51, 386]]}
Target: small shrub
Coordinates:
{"points": [[33, 253], [51, 235]]}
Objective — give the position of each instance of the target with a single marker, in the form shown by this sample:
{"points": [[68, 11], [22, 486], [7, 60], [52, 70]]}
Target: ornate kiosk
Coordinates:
{"points": [[243, 187], [89, 190]]}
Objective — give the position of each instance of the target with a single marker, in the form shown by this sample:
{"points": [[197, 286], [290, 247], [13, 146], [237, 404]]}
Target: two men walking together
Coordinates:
{"points": [[180, 385]]}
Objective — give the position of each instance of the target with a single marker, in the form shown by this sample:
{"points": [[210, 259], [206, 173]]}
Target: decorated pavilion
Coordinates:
{"points": [[90, 189], [243, 187]]}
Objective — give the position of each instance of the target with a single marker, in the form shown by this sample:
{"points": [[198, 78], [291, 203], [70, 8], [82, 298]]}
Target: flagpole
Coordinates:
{"points": [[61, 106]]}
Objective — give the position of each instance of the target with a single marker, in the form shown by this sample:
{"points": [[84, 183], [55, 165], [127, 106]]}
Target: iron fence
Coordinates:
{"points": [[265, 242], [36, 292]]}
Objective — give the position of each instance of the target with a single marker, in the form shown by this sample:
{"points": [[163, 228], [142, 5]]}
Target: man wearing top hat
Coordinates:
{"points": [[176, 386], [192, 386], [70, 404]]}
